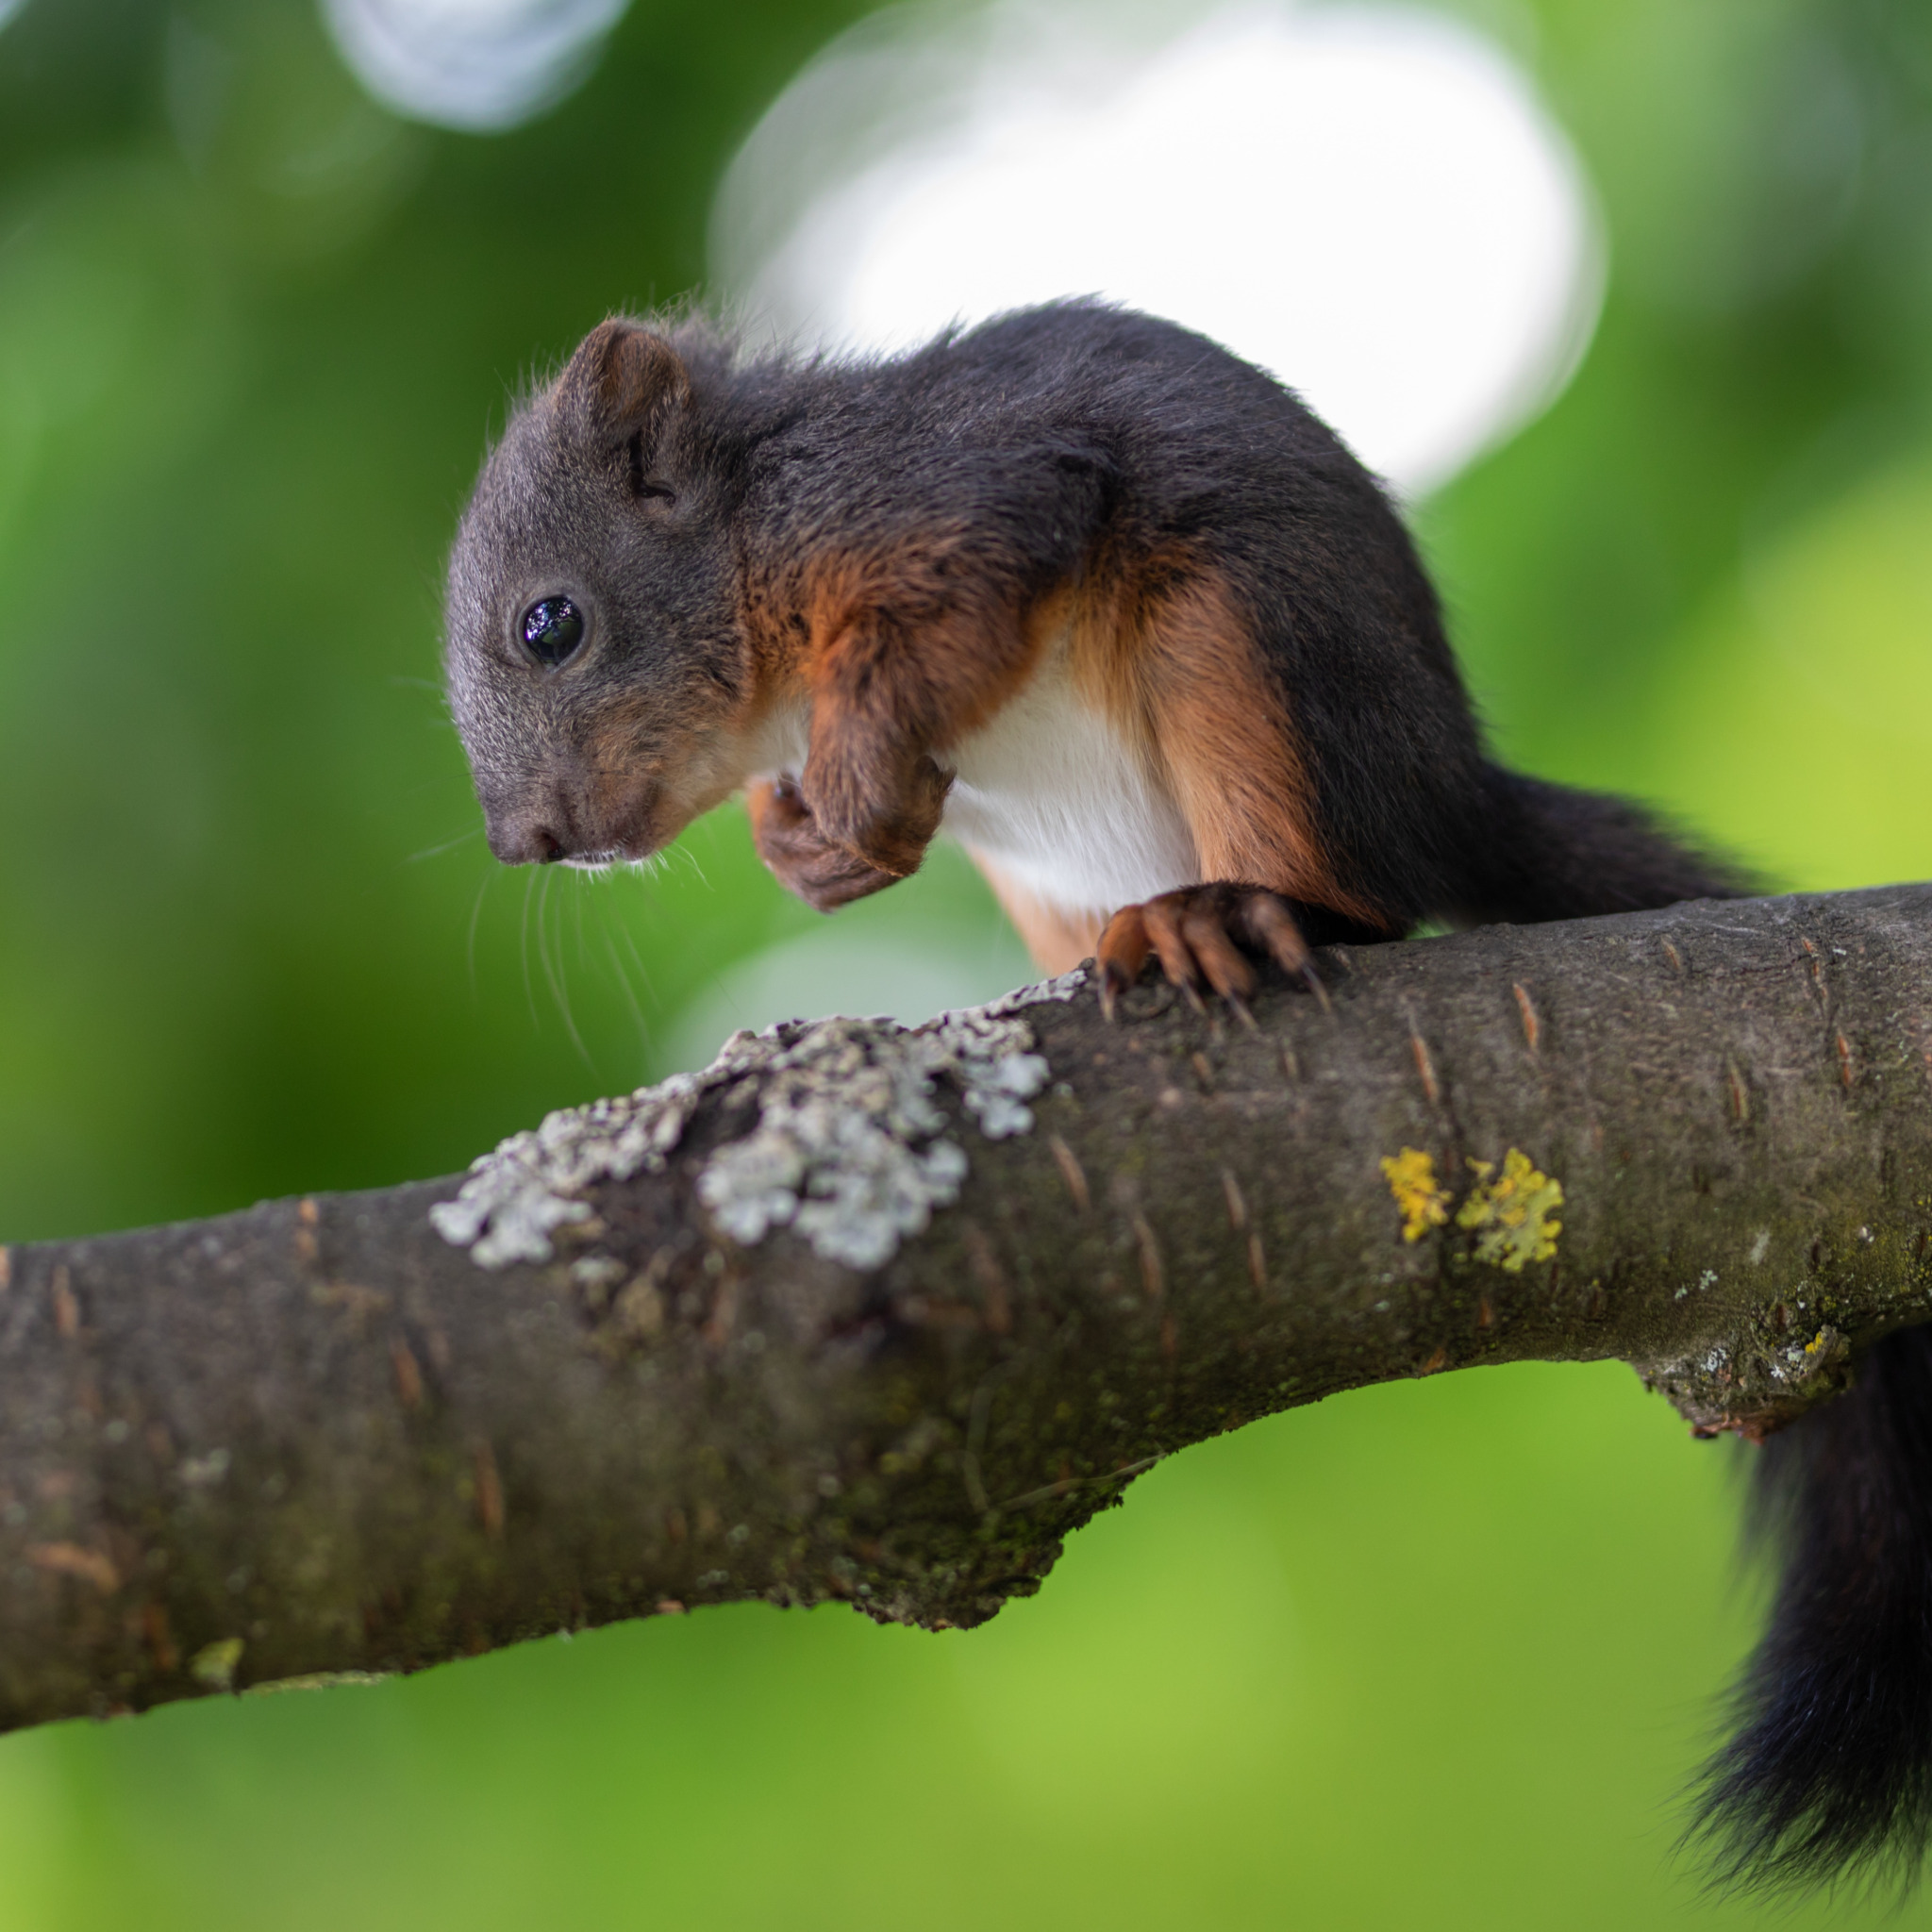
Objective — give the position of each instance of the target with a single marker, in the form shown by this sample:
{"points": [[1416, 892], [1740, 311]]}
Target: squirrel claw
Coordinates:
{"points": [[1120, 955], [1113, 982], [1204, 934]]}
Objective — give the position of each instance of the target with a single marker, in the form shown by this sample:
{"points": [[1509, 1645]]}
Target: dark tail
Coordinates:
{"points": [[1547, 852], [1831, 1772]]}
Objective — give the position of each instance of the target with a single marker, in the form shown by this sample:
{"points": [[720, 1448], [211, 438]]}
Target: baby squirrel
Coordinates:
{"points": [[1116, 608]]}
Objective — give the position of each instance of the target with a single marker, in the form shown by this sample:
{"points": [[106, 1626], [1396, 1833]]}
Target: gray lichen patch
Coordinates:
{"points": [[1062, 989], [850, 1147], [532, 1183]]}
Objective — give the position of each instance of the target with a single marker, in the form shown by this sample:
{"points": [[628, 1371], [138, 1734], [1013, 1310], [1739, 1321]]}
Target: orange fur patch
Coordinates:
{"points": [[1172, 662], [921, 638]]}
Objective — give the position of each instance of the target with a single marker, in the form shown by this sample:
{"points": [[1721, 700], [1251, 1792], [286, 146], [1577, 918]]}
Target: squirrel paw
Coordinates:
{"points": [[801, 857], [885, 814], [1204, 932]]}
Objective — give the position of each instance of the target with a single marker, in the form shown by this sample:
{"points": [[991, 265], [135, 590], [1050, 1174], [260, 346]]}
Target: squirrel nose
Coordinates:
{"points": [[525, 842]]}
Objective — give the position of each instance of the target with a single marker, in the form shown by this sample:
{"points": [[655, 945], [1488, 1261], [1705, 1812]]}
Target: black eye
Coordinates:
{"points": [[553, 627]]}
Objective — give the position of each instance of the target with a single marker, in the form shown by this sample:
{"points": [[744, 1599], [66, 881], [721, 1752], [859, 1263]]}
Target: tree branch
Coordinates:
{"points": [[321, 1437]]}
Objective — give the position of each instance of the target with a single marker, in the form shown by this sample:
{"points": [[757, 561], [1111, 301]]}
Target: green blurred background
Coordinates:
{"points": [[1433, 1654]]}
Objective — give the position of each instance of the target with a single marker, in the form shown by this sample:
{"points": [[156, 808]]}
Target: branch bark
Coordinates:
{"points": [[319, 1438]]}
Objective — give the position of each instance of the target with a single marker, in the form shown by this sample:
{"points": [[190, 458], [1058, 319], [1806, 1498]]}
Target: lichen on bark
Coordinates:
{"points": [[849, 1146]]}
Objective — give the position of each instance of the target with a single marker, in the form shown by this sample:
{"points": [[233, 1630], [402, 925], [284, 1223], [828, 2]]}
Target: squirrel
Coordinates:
{"points": [[1116, 608]]}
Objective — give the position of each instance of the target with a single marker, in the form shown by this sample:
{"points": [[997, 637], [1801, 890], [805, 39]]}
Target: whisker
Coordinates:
{"points": [[637, 960], [630, 998], [483, 885], [448, 846], [523, 946], [553, 973]]}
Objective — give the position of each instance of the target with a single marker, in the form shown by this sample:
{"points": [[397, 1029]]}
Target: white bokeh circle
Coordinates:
{"points": [[1371, 201], [480, 66]]}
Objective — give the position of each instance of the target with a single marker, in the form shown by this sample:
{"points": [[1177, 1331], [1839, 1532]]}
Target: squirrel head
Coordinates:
{"points": [[594, 657]]}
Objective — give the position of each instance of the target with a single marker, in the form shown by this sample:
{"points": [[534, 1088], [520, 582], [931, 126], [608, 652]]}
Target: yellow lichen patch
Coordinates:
{"points": [[1421, 1202], [214, 1663], [1512, 1212]]}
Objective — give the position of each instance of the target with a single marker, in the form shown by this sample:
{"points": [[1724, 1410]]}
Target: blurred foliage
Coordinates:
{"points": [[1430, 1654]]}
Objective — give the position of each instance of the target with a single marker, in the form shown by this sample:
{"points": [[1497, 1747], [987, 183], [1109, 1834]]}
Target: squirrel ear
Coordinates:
{"points": [[623, 379]]}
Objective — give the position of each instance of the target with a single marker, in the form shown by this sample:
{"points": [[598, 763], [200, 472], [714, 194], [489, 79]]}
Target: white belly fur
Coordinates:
{"points": [[1067, 808]]}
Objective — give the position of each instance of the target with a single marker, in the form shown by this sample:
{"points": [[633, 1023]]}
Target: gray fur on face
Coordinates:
{"points": [[609, 754]]}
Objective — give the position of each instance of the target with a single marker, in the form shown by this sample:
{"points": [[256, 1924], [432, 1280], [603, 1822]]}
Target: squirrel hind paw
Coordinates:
{"points": [[1204, 935]]}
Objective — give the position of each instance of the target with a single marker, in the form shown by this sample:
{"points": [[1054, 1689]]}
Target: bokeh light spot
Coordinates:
{"points": [[480, 66]]}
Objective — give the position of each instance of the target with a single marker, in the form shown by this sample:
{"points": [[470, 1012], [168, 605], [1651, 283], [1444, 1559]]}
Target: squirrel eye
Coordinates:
{"points": [[553, 627]]}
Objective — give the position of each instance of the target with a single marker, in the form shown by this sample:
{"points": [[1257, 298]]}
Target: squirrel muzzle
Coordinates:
{"points": [[586, 824]]}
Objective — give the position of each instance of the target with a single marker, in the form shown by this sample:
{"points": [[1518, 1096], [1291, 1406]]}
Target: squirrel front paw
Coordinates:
{"points": [[812, 867], [885, 818]]}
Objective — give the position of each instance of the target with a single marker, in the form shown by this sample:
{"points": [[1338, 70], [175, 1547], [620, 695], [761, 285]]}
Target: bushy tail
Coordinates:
{"points": [[1548, 852], [1831, 1772]]}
